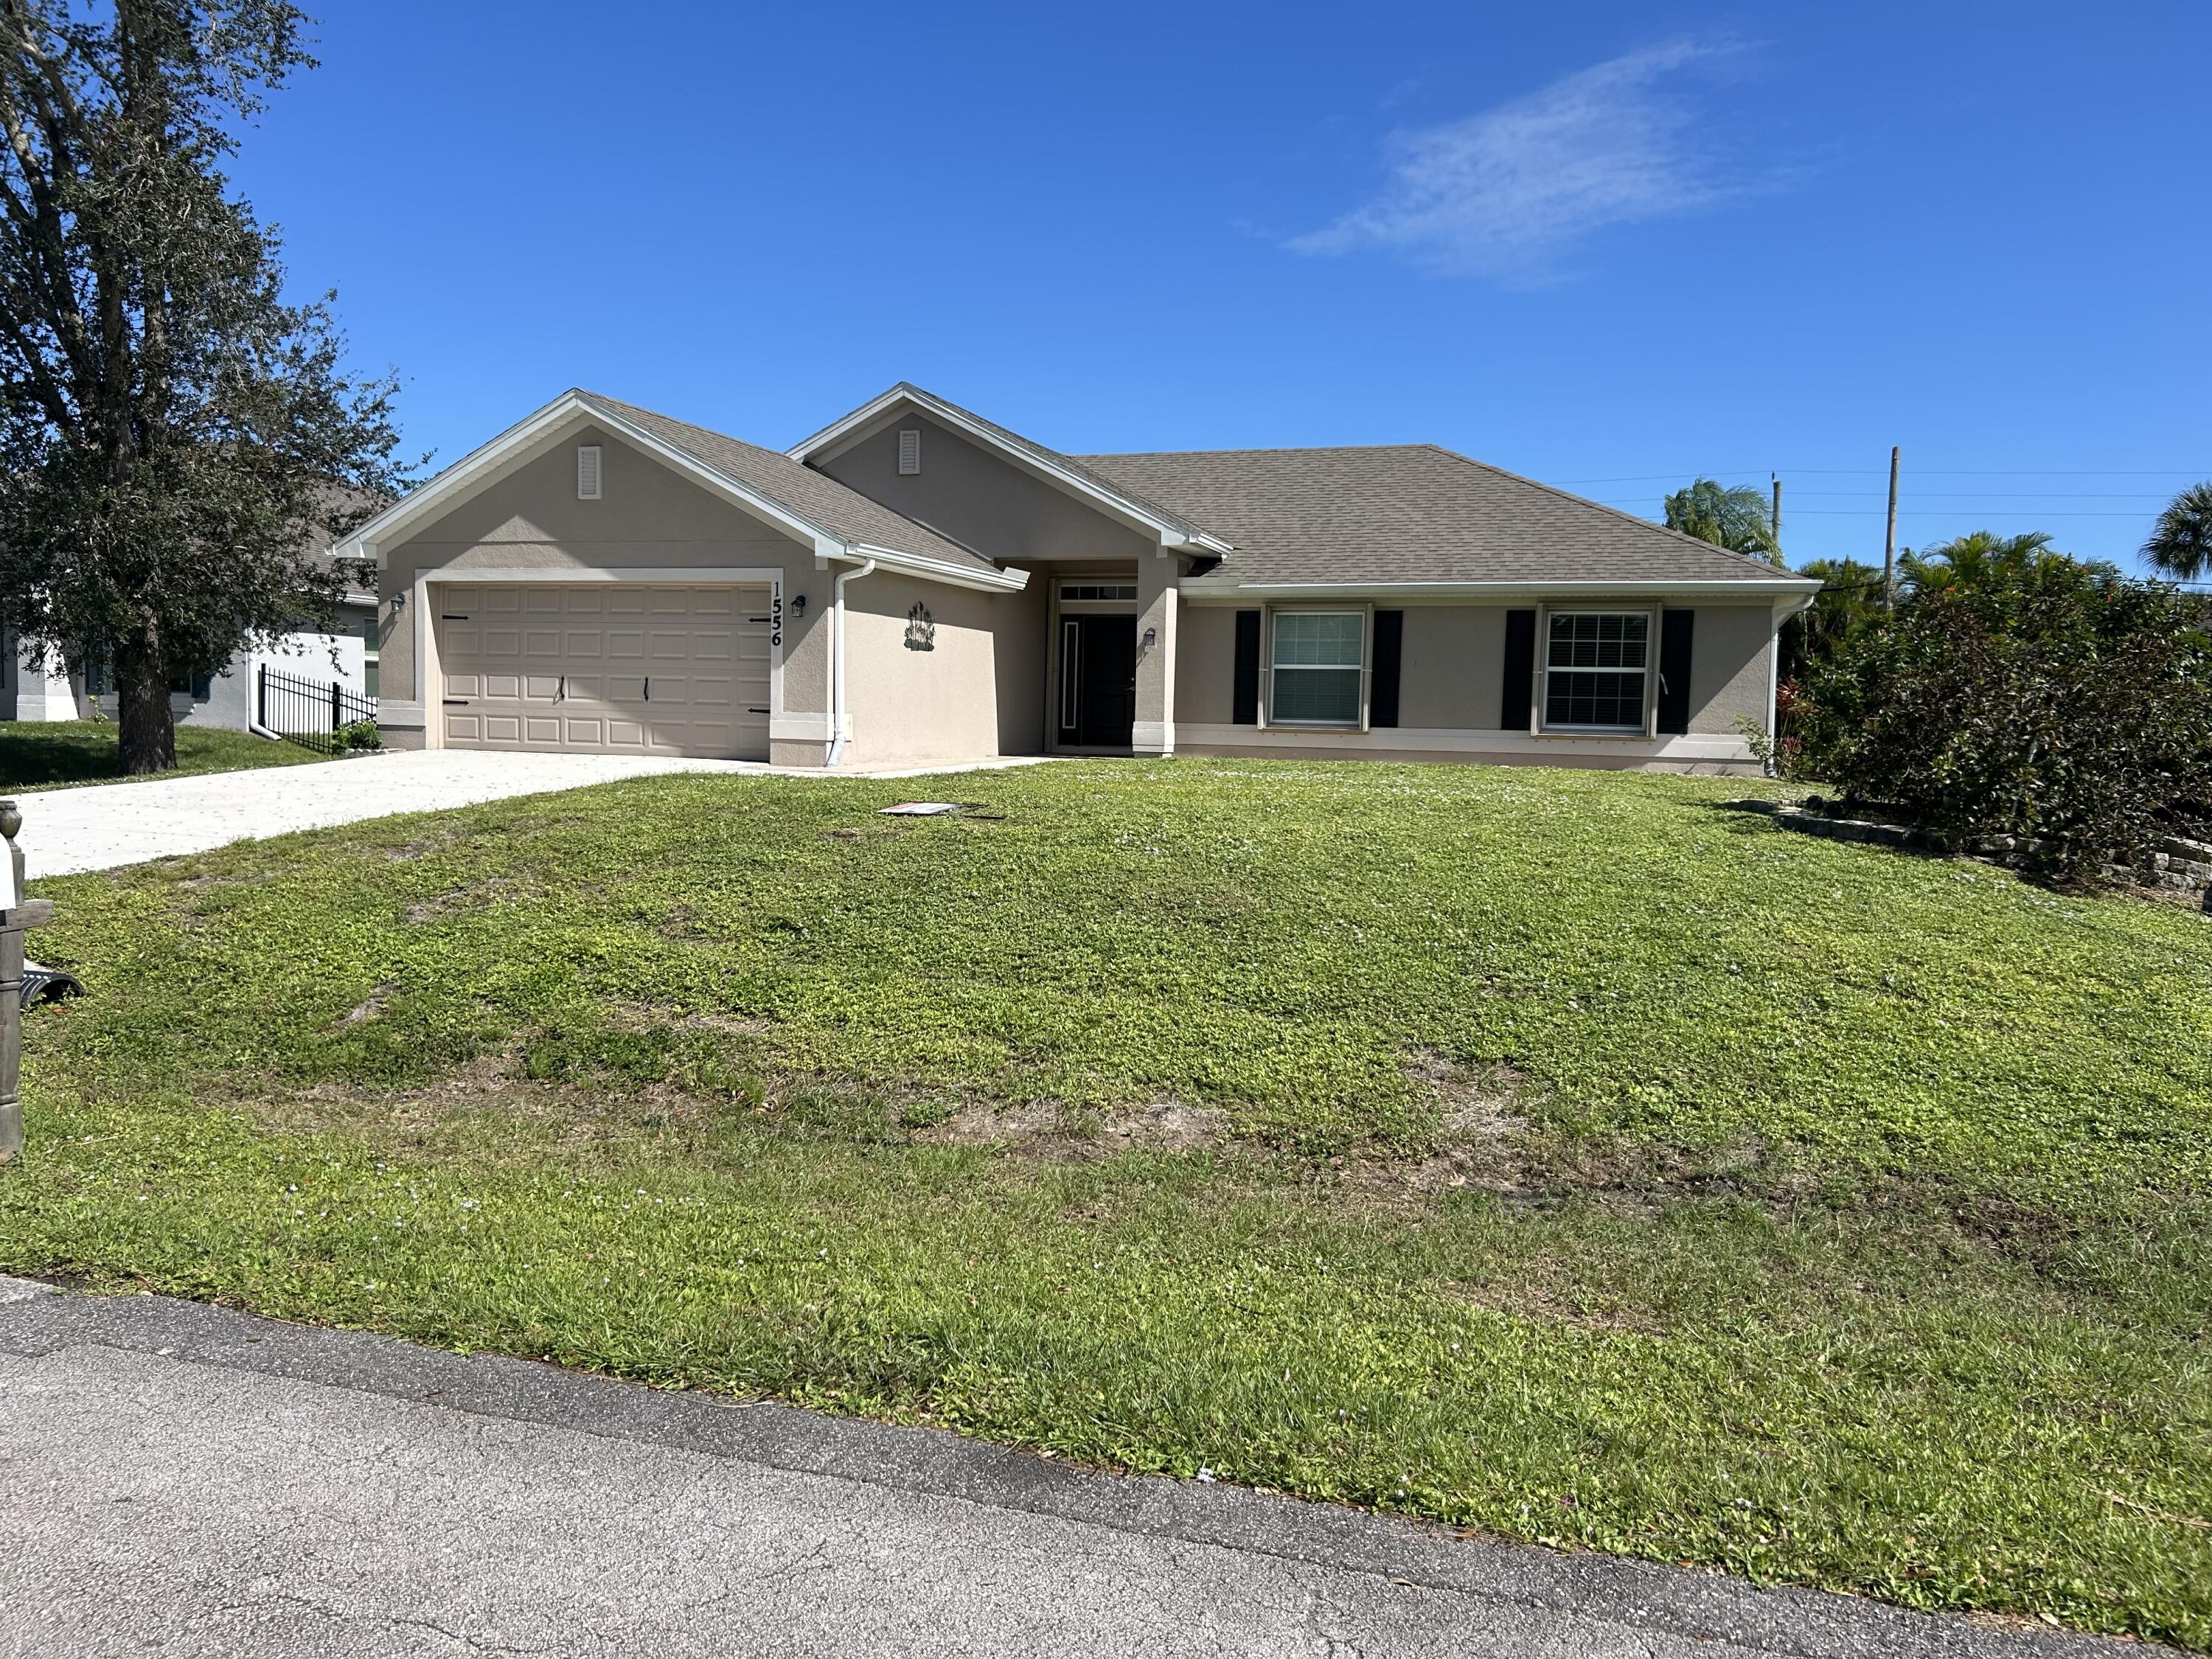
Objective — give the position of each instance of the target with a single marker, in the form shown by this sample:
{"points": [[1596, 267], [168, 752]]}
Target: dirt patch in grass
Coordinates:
{"points": [[1470, 1100], [369, 1007], [475, 895], [1051, 1130]]}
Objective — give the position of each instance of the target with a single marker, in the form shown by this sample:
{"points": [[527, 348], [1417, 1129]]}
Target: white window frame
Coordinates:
{"points": [[1269, 718], [1540, 720]]}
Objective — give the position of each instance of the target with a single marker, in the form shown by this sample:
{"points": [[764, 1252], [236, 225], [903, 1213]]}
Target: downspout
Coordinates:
{"points": [[838, 663]]}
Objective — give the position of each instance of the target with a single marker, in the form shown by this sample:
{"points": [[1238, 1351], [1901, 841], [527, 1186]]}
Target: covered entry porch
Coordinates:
{"points": [[1109, 670]]}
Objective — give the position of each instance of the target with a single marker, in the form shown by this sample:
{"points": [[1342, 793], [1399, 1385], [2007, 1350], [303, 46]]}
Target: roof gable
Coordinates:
{"points": [[1065, 473], [837, 522]]}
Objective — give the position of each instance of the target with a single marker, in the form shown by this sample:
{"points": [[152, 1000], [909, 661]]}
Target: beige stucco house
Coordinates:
{"points": [[915, 584]]}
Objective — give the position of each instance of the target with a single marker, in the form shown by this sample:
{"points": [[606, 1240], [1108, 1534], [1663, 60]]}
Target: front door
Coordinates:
{"points": [[1098, 681]]}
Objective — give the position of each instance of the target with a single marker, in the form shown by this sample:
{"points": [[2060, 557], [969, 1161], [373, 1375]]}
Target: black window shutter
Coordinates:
{"points": [[1244, 707], [1390, 648], [1675, 629], [1520, 670]]}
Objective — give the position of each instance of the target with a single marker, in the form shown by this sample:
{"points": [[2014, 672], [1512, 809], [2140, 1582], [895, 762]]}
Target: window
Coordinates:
{"points": [[1083, 591], [587, 472], [370, 644], [1595, 663], [910, 451], [1316, 669]]}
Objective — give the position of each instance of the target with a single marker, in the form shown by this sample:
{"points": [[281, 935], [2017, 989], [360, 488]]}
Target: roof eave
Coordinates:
{"points": [[489, 461], [1740, 587], [484, 465], [988, 581]]}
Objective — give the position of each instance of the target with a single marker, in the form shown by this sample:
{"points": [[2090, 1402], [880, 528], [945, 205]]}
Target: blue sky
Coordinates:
{"points": [[1609, 246]]}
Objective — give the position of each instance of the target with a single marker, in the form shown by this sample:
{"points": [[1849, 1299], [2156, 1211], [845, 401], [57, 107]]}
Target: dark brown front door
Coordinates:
{"points": [[1098, 681]]}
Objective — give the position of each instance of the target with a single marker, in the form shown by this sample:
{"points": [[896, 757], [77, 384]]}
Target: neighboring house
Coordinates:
{"points": [[36, 686], [916, 584]]}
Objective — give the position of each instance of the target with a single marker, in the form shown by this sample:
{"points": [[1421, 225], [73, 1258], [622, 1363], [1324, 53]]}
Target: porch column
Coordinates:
{"points": [[1153, 731]]}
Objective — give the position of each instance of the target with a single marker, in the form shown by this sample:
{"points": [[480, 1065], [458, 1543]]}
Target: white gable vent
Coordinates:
{"points": [[909, 451], [587, 472]]}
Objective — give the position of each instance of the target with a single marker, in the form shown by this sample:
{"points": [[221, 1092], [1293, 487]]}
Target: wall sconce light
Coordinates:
{"points": [[798, 605], [1151, 638], [399, 603]]}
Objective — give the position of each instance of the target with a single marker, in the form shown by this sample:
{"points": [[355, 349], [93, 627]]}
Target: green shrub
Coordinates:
{"points": [[2074, 709], [360, 735]]}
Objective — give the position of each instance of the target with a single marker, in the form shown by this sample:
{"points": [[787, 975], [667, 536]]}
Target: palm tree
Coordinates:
{"points": [[1734, 519], [2180, 545], [1986, 560]]}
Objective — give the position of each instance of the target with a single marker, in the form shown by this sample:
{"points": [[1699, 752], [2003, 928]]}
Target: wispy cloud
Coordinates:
{"points": [[1506, 192]]}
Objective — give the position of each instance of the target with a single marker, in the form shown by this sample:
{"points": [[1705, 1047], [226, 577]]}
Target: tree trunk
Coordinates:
{"points": [[146, 728]]}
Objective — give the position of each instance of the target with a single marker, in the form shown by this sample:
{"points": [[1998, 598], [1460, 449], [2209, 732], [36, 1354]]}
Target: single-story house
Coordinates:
{"points": [[914, 583], [35, 684]]}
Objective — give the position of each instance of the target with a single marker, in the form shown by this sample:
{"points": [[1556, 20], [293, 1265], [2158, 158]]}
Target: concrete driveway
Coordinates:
{"points": [[99, 826], [188, 1481]]}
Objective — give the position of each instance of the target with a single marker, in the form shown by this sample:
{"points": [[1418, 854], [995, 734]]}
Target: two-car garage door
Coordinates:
{"points": [[605, 667]]}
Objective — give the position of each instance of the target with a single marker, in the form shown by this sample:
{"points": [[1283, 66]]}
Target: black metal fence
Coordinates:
{"points": [[313, 714]]}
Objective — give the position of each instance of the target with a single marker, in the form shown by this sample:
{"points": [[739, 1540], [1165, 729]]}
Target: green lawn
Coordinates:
{"points": [[49, 754], [1554, 1153]]}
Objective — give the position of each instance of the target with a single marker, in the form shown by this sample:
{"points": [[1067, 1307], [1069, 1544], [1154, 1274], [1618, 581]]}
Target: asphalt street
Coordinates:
{"points": [[182, 1479]]}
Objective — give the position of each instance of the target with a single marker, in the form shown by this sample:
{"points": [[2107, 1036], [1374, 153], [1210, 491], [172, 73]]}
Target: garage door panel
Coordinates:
{"points": [[665, 670]]}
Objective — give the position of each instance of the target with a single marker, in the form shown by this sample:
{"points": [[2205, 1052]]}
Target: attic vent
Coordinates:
{"points": [[910, 451], [587, 472]]}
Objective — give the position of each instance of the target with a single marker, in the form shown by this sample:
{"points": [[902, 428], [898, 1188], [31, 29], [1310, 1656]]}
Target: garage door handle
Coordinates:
{"points": [[457, 702], [561, 693], [648, 688], [756, 711]]}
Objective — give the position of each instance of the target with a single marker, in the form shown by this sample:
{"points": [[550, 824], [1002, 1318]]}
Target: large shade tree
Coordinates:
{"points": [[1738, 519], [2180, 544], [176, 438]]}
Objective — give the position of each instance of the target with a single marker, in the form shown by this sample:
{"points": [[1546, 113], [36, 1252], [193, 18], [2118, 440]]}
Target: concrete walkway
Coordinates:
{"points": [[99, 826], [182, 1479]]}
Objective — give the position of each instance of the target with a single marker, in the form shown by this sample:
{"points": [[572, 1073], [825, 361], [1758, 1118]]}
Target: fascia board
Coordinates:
{"points": [[1750, 588], [989, 581], [523, 442]]}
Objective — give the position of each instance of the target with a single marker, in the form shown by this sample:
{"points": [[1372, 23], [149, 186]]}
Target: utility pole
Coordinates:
{"points": [[1777, 525], [1889, 541]]}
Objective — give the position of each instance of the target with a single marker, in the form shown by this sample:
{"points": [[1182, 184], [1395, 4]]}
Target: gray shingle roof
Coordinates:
{"points": [[815, 496], [1410, 512]]}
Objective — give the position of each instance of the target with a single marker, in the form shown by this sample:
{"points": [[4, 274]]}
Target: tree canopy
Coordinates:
{"points": [[1737, 519], [176, 437], [1985, 561], [2180, 544]]}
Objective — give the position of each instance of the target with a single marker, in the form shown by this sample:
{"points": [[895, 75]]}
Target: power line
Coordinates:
{"points": [[1750, 473], [1906, 511]]}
